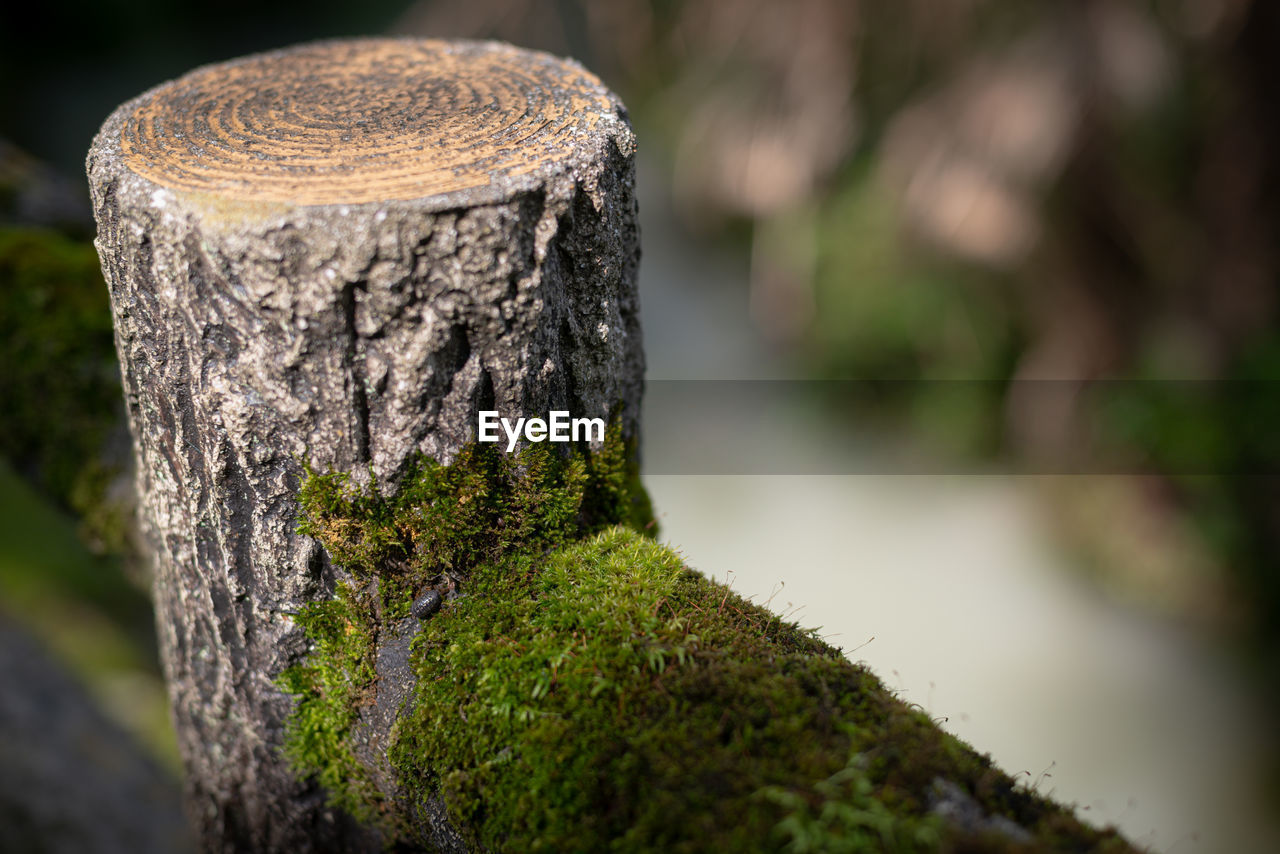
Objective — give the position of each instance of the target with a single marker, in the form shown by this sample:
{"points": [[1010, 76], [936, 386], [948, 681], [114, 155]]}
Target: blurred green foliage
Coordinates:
{"points": [[61, 383], [1152, 275], [917, 330]]}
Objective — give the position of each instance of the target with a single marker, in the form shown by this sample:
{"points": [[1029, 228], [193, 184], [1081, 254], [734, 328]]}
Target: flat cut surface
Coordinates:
{"points": [[363, 121]]}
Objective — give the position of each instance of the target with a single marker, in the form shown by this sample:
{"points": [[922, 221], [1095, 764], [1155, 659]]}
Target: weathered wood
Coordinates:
{"points": [[339, 253]]}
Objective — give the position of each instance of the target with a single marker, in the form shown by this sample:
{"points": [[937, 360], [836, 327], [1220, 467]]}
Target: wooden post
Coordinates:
{"points": [[340, 253]]}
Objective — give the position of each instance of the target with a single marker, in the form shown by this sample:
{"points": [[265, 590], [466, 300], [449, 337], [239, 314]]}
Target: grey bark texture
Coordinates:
{"points": [[256, 335]]}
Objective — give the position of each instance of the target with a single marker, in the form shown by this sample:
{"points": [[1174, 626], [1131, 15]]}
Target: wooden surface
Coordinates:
{"points": [[362, 121], [339, 253]]}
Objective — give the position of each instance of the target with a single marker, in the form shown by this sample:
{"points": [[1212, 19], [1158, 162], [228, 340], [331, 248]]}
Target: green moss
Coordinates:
{"points": [[443, 522], [605, 693], [589, 692], [848, 817], [331, 682]]}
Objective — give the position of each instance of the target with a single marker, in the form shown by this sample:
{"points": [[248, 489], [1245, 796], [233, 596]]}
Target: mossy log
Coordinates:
{"points": [[339, 253], [323, 263]]}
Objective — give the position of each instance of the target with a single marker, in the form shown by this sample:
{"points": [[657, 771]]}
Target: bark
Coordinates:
{"points": [[340, 253]]}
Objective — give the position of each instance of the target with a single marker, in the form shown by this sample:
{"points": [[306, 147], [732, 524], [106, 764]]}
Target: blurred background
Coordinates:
{"points": [[950, 218]]}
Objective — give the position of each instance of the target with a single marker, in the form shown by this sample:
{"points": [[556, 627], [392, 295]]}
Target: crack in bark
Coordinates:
{"points": [[353, 359]]}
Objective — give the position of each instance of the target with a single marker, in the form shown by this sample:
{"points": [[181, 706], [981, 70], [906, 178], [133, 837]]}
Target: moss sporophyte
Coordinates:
{"points": [[577, 688]]}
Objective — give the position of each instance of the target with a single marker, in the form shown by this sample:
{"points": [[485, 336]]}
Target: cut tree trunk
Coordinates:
{"points": [[339, 254]]}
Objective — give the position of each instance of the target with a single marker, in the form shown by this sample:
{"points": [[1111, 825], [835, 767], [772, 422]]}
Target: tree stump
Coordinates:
{"points": [[339, 253]]}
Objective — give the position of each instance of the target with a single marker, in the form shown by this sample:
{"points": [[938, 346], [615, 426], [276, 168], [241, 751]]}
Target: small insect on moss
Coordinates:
{"points": [[425, 605]]}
